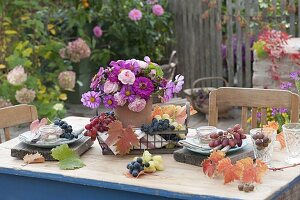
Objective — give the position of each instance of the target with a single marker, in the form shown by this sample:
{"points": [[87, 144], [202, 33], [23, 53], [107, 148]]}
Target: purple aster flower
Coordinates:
{"points": [[274, 111], [157, 10], [97, 31], [97, 79], [109, 102], [179, 81], [294, 75], [91, 99], [258, 115], [283, 110], [143, 87], [135, 14], [127, 93], [147, 59], [285, 85]]}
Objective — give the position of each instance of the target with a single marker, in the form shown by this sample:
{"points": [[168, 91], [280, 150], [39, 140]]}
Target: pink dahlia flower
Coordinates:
{"points": [[110, 87], [126, 77], [97, 31], [135, 14], [120, 99], [157, 10], [17, 76], [137, 105]]}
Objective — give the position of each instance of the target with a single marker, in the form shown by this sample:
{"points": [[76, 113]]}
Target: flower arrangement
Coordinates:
{"points": [[131, 82]]}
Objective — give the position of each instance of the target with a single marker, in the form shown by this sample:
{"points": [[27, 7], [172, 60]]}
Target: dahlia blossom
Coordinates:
{"points": [[91, 99], [143, 87], [119, 99], [25, 95], [110, 87], [76, 50], [66, 80], [126, 77], [17, 75], [97, 31], [109, 101], [135, 14], [137, 105], [157, 10]]}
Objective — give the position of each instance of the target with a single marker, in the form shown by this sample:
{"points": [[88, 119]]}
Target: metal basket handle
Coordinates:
{"points": [[208, 78]]}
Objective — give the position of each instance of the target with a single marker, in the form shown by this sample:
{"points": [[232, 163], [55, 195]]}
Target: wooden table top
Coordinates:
{"points": [[177, 180]]}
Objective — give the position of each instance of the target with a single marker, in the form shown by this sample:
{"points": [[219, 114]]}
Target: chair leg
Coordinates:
{"points": [[0, 139], [7, 134]]}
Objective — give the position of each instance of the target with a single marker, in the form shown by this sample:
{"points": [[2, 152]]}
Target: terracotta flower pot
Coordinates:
{"points": [[135, 119]]}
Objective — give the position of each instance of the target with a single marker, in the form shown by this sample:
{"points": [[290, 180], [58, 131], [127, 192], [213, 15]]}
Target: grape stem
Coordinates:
{"points": [[281, 168]]}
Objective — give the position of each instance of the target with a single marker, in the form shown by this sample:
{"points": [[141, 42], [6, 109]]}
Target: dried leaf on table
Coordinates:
{"points": [[261, 169], [230, 172], [216, 156], [208, 167], [114, 132], [127, 174], [280, 139], [34, 158]]}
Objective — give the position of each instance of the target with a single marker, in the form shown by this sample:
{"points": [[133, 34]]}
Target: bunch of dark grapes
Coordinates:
{"points": [[135, 167], [261, 141], [157, 126], [99, 123], [246, 187], [232, 137], [66, 129]]}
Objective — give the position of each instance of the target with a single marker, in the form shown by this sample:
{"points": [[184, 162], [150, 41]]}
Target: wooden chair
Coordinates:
{"points": [[15, 115], [253, 98]]}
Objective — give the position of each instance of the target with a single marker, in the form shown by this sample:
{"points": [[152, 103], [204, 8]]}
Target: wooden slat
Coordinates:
{"points": [[207, 50], [248, 68], [295, 111], [292, 18], [298, 18], [230, 63], [263, 116], [7, 134], [283, 9], [218, 44], [212, 37], [254, 118], [202, 40], [274, 4], [239, 57], [244, 117], [213, 109]]}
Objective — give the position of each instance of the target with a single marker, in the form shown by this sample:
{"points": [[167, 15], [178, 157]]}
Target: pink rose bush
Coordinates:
{"points": [[130, 83]]}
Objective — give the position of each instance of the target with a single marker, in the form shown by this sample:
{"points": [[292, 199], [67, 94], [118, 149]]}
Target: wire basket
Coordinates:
{"points": [[165, 142]]}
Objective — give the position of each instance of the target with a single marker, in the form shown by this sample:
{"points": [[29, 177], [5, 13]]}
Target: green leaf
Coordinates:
{"points": [[71, 163], [68, 159], [259, 49]]}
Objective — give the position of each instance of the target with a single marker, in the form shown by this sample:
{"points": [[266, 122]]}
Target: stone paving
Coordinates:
{"points": [[196, 120]]}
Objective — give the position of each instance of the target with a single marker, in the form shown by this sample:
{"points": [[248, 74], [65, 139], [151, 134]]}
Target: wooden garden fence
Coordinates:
{"points": [[203, 39]]}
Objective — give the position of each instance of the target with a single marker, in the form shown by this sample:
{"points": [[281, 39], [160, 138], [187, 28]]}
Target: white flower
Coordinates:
{"points": [[17, 76], [58, 106]]}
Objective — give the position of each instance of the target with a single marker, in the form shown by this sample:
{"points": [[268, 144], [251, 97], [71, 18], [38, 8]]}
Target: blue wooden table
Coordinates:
{"points": [[103, 178]]}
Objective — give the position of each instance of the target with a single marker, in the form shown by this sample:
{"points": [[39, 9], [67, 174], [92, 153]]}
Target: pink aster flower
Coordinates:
{"points": [[120, 99], [137, 105], [179, 81], [97, 31], [91, 99], [17, 75], [110, 87], [66, 80], [157, 10], [109, 102], [135, 14], [126, 77], [25, 95]]}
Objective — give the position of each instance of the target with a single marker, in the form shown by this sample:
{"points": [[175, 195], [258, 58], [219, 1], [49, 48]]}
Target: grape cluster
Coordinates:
{"points": [[135, 167], [157, 126], [261, 141], [246, 187], [232, 137], [99, 123], [66, 129]]}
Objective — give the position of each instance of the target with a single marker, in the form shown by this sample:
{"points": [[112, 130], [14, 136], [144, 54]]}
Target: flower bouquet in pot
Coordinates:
{"points": [[127, 87]]}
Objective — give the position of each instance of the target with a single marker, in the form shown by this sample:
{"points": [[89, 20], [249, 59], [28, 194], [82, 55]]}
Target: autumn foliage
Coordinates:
{"points": [[244, 170]]}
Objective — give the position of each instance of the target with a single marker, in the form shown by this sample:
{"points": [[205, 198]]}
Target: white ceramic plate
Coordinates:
{"points": [[205, 150], [25, 137]]}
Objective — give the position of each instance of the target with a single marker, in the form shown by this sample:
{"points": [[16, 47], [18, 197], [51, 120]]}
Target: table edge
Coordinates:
{"points": [[106, 184]]}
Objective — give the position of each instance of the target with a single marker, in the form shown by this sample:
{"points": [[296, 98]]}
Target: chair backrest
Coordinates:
{"points": [[15, 115], [253, 98]]}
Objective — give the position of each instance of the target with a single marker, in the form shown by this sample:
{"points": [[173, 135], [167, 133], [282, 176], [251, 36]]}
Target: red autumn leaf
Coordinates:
{"points": [[208, 167], [248, 175], [216, 156], [123, 138], [114, 132], [229, 171], [280, 138], [36, 124], [246, 162], [260, 169]]}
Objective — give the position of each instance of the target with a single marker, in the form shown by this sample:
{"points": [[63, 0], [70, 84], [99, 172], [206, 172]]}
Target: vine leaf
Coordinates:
{"points": [[123, 138], [216, 156], [208, 167], [280, 139], [230, 172]]}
